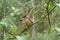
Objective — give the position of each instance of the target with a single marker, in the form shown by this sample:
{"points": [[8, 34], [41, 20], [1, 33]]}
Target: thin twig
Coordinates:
{"points": [[52, 9], [48, 16]]}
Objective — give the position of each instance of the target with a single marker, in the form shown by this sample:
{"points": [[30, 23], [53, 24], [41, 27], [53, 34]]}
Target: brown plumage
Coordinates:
{"points": [[26, 22]]}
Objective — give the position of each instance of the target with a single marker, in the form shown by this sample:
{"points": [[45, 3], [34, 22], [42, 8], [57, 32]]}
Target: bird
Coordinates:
{"points": [[26, 22]]}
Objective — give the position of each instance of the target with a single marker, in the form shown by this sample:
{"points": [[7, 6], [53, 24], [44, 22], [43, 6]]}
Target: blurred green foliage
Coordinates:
{"points": [[11, 11]]}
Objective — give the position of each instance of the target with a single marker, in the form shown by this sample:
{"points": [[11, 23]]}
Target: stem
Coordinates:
{"points": [[48, 16], [33, 30]]}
